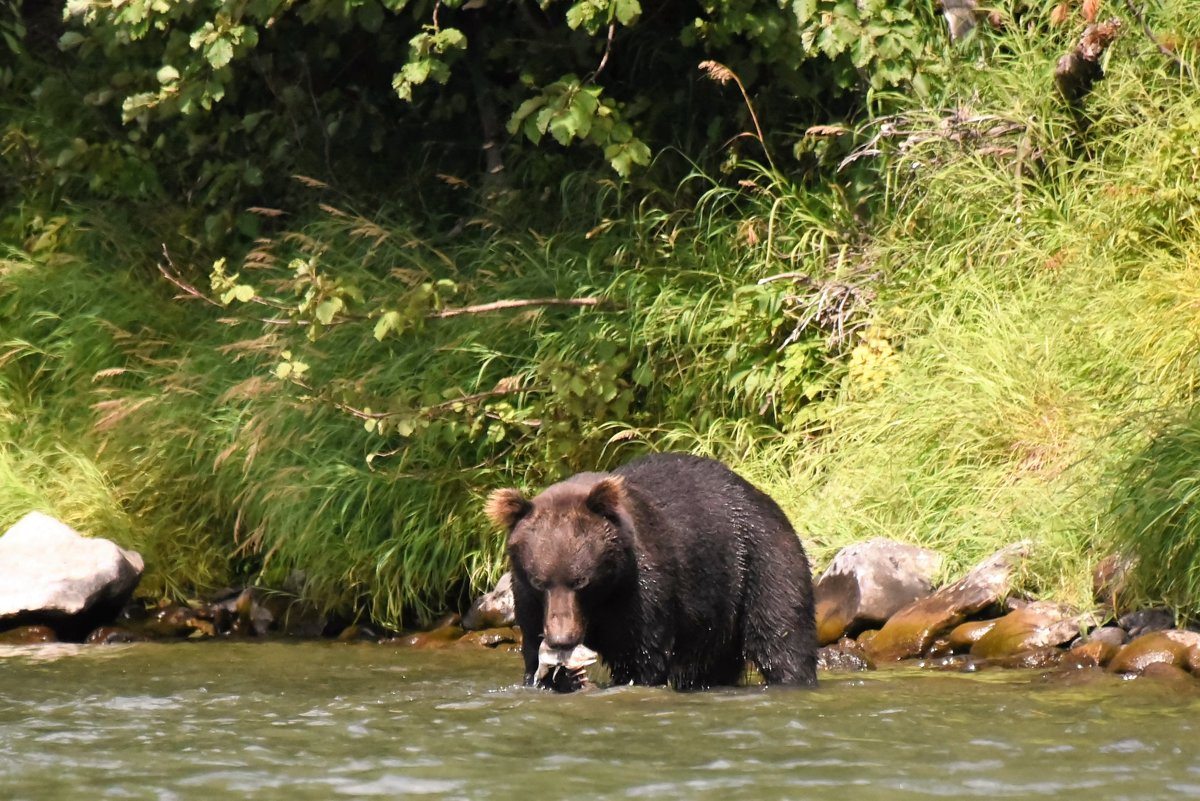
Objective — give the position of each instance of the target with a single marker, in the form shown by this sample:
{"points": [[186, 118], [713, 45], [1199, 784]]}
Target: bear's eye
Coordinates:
{"points": [[579, 583]]}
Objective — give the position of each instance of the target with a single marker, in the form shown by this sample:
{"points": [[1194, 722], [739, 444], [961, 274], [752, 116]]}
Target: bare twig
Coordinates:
{"points": [[608, 44], [960, 127], [192, 292], [501, 305], [424, 411], [172, 275]]}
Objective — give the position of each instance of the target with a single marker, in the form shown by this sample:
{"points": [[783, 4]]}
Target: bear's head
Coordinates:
{"points": [[572, 546]]}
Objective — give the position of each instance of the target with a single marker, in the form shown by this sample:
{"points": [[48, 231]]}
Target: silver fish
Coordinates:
{"points": [[564, 670]]}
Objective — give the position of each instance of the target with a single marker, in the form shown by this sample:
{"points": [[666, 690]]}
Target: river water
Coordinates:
{"points": [[295, 721]]}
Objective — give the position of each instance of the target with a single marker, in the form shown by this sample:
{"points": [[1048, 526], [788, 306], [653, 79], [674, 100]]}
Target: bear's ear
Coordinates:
{"points": [[608, 498], [506, 507]]}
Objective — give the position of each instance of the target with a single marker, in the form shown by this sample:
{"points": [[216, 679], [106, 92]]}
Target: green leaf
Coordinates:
{"points": [[628, 11], [167, 74], [70, 39], [804, 10], [523, 111], [643, 375], [562, 128], [219, 53], [387, 322], [328, 309], [581, 113], [623, 157]]}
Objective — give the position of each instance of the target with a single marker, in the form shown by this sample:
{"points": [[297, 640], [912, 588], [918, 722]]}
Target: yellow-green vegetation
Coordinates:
{"points": [[962, 317], [1041, 318]]}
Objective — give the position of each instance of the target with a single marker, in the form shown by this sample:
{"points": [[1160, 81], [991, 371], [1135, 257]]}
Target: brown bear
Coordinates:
{"points": [[673, 568]]}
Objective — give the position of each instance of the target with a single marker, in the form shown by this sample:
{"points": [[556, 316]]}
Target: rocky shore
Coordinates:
{"points": [[877, 605]]}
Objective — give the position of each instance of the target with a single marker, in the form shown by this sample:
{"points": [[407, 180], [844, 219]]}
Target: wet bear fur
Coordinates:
{"points": [[673, 568]]}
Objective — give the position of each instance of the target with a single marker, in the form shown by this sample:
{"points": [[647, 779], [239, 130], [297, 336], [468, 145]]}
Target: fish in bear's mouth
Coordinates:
{"points": [[563, 670]]}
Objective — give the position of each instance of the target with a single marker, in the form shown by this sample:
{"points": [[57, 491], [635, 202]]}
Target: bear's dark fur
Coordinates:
{"points": [[673, 568]]}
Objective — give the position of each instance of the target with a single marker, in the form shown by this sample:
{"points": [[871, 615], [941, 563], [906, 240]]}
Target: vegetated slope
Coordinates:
{"points": [[978, 348], [1040, 314]]}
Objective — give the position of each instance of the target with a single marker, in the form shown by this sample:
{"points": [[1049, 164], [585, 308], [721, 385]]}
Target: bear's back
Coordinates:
{"points": [[700, 501]]}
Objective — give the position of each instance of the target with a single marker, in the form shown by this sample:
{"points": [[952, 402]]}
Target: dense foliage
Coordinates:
{"points": [[216, 103], [287, 287]]}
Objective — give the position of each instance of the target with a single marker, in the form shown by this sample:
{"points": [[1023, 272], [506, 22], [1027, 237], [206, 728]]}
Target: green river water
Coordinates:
{"points": [[295, 721]]}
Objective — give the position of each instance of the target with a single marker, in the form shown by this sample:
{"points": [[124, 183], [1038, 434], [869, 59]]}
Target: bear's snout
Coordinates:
{"points": [[564, 622]]}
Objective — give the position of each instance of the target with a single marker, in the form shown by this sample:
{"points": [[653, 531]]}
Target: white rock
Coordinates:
{"points": [[48, 567], [879, 577]]}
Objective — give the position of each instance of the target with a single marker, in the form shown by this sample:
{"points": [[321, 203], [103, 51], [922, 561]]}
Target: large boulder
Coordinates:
{"points": [[868, 582], [910, 631], [50, 573]]}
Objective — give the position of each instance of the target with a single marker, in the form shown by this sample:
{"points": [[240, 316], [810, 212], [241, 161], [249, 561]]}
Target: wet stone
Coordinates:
{"points": [[846, 656], [1093, 653], [1079, 677], [866, 636], [1191, 662], [491, 638], [441, 637], [959, 663], [113, 635], [168, 621], [28, 635], [1036, 625], [1173, 647], [1170, 674], [911, 630], [357, 633], [1113, 635], [940, 647], [246, 616], [1039, 658], [964, 635]]}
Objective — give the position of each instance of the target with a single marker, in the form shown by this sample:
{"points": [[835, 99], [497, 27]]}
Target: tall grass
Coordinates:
{"points": [[221, 472], [1041, 293]]}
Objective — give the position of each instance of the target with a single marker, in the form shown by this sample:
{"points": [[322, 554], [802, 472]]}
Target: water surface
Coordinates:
{"points": [[325, 721]]}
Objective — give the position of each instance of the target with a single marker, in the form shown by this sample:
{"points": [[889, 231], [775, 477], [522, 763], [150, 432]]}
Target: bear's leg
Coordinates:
{"points": [[779, 630], [530, 617]]}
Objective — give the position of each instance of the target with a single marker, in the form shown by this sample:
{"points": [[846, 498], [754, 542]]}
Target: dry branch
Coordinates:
{"points": [[501, 305]]}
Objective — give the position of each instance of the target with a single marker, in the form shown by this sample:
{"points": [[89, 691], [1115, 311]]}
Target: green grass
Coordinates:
{"points": [[1041, 297]]}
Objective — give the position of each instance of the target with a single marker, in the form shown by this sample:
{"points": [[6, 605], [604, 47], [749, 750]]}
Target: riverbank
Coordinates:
{"points": [[992, 343]]}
